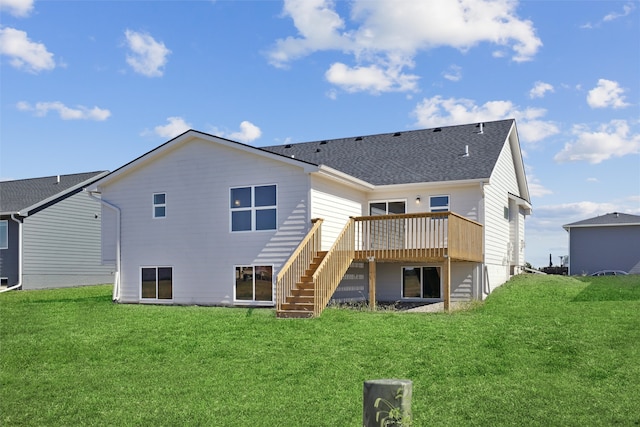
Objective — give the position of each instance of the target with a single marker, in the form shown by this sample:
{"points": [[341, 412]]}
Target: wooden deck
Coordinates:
{"points": [[424, 237]]}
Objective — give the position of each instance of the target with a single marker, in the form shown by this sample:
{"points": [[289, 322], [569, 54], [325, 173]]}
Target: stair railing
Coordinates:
{"points": [[333, 267], [298, 263]]}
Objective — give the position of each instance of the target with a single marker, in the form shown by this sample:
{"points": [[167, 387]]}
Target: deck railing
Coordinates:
{"points": [[333, 267], [298, 263], [418, 236], [402, 237]]}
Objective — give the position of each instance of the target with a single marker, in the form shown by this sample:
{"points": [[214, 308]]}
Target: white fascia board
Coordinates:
{"points": [[421, 185], [522, 202], [25, 211], [343, 178], [521, 175], [189, 136], [627, 224]]}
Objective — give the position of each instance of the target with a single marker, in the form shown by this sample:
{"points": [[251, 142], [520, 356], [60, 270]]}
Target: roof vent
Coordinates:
{"points": [[57, 179], [317, 150], [466, 151], [359, 138], [287, 146], [481, 126], [323, 142], [397, 134], [437, 130]]}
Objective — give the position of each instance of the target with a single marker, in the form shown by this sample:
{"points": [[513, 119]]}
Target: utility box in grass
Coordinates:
{"points": [[387, 403]]}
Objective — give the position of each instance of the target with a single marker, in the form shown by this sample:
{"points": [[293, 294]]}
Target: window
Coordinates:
{"points": [[387, 208], [439, 203], [421, 282], [506, 213], [157, 283], [254, 283], [4, 234], [253, 208], [159, 205]]}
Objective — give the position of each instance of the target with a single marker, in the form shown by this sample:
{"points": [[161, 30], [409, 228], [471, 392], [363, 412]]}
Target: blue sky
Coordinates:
{"points": [[91, 85]]}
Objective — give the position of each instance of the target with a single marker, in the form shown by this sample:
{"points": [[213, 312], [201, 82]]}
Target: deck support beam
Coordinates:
{"points": [[372, 283], [446, 279]]}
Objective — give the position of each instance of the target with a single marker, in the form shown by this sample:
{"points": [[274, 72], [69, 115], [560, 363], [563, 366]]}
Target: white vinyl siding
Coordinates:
{"points": [[62, 245], [497, 230], [334, 204], [196, 238]]}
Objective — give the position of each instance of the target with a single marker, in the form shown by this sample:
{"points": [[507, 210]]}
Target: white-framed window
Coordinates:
{"points": [[253, 283], [421, 282], [156, 283], [387, 207], [159, 205], [253, 208], [4, 234], [439, 203]]}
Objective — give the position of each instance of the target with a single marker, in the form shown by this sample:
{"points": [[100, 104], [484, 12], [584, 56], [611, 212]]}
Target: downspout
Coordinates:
{"points": [[116, 281], [19, 284], [484, 282]]}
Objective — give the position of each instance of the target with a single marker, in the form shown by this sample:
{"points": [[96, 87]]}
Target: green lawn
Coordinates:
{"points": [[541, 351]]}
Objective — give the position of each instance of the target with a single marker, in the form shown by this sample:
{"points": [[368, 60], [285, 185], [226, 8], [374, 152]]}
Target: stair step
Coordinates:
{"points": [[297, 306], [292, 314], [300, 299]]}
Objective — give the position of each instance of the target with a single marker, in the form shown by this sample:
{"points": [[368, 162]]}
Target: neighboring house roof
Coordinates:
{"points": [[610, 219], [23, 196], [428, 155]]}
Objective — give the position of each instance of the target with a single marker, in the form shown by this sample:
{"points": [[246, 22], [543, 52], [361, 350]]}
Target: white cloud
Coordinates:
{"points": [[19, 8], [610, 140], [386, 36], [174, 127], [540, 89], [608, 93], [147, 57], [453, 73], [626, 10], [248, 132], [536, 189], [611, 16], [80, 112], [372, 79], [25, 54], [436, 111]]}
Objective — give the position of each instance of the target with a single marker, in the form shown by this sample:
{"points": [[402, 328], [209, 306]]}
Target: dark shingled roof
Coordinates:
{"points": [[428, 155], [615, 218], [24, 193]]}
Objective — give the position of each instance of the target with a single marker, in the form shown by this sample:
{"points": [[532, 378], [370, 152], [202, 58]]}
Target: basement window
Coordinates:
{"points": [[254, 283], [156, 283], [421, 282]]}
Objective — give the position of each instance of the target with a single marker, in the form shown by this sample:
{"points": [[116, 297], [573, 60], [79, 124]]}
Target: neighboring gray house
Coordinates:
{"points": [[50, 233], [420, 216], [607, 242]]}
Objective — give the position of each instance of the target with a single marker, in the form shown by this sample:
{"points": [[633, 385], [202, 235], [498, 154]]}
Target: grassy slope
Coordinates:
{"points": [[542, 350]]}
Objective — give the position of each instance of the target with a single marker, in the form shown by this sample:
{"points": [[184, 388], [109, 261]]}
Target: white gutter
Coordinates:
{"points": [[116, 281], [19, 284]]}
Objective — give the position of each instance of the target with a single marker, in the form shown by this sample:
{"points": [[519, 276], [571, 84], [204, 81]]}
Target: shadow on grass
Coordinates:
{"points": [[94, 299], [609, 291]]}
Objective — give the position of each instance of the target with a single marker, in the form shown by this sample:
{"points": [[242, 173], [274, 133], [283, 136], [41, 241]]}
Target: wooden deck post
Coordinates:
{"points": [[446, 279], [372, 283]]}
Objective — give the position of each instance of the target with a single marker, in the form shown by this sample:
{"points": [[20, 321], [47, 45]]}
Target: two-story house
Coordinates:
{"points": [[424, 215]]}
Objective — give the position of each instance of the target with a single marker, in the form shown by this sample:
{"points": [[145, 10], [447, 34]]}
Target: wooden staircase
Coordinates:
{"points": [[300, 304]]}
